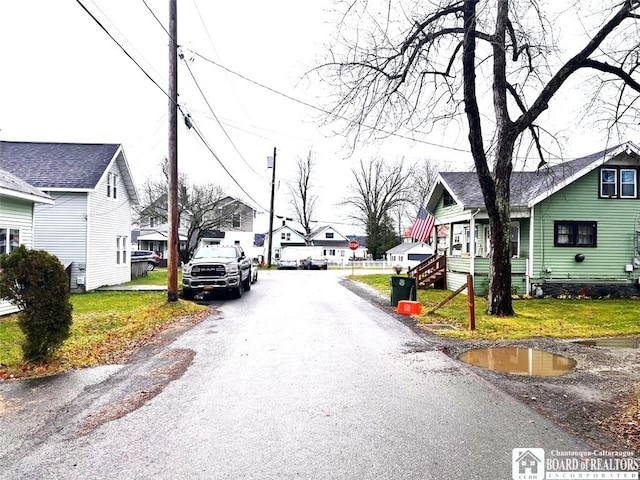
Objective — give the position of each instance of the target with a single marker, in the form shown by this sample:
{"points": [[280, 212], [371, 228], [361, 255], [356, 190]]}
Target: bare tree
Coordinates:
{"points": [[201, 208], [425, 62], [377, 189], [423, 177], [303, 200]]}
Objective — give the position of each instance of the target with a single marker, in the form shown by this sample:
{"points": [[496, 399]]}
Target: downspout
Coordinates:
{"points": [[472, 243], [530, 262]]}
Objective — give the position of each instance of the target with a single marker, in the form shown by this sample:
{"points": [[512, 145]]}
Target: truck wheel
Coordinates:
{"points": [[237, 292], [247, 283]]}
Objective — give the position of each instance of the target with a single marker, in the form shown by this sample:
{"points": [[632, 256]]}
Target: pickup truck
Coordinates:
{"points": [[216, 268]]}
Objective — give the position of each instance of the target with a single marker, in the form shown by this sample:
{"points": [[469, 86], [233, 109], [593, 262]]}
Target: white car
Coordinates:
{"points": [[287, 263]]}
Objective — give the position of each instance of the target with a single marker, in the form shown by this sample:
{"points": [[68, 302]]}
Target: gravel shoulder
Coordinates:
{"points": [[599, 401]]}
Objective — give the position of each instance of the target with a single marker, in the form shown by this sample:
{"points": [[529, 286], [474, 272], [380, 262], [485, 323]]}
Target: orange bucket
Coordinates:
{"points": [[409, 307]]}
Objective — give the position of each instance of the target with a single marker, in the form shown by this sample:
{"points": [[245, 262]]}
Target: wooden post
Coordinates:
{"points": [[174, 221], [273, 190], [471, 302]]}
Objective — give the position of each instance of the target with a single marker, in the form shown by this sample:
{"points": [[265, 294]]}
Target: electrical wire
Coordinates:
{"points": [[199, 134], [124, 50], [206, 101], [322, 110]]}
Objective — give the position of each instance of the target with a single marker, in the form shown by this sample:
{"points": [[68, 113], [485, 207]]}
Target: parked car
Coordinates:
{"points": [[152, 258], [216, 268], [287, 263], [311, 263]]}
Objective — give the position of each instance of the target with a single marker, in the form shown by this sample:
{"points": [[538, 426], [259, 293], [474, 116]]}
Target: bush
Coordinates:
{"points": [[37, 283]]}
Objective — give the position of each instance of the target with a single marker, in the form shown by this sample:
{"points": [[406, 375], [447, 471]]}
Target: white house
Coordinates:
{"points": [[17, 200], [89, 225], [409, 254]]}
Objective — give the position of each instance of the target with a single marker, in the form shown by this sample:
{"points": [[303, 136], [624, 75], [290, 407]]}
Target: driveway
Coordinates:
{"points": [[300, 378]]}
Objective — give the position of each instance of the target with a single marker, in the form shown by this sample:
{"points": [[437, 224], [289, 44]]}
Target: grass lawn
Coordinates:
{"points": [[107, 326], [534, 317], [158, 276]]}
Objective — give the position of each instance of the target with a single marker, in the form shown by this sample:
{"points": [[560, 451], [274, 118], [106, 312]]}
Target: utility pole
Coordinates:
{"points": [[172, 264], [273, 191]]}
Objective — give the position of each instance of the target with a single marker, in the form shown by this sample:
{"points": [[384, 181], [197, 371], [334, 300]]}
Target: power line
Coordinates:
{"points": [[123, 49], [206, 101], [206, 144], [327, 112]]}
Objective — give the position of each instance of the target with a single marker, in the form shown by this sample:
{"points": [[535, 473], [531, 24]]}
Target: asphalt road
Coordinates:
{"points": [[300, 378]]}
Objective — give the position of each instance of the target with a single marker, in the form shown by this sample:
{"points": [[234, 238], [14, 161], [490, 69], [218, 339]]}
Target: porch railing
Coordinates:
{"points": [[432, 271]]}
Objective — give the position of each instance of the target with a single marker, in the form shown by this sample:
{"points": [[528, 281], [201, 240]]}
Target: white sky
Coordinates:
{"points": [[65, 80]]}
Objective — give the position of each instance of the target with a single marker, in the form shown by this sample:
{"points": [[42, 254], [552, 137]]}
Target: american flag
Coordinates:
{"points": [[423, 226]]}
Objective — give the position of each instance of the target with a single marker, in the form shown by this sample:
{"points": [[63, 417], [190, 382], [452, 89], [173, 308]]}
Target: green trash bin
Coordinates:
{"points": [[402, 288]]}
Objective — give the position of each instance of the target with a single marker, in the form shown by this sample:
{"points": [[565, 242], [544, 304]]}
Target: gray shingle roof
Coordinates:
{"points": [[525, 186], [57, 165], [10, 183]]}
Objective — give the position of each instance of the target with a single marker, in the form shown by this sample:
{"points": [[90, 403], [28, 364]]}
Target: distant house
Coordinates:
{"points": [[17, 200], [238, 219], [285, 236], [89, 225], [333, 244], [575, 226], [409, 254]]}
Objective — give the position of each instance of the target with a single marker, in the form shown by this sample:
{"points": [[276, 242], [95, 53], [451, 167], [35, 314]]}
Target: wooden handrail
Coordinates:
{"points": [[430, 270]]}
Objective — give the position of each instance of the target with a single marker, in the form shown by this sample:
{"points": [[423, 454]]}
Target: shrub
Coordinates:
{"points": [[37, 283]]}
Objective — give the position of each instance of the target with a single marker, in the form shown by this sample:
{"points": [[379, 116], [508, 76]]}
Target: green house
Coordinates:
{"points": [[575, 226]]}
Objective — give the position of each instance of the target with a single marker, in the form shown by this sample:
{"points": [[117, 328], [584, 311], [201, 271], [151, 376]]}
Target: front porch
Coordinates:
{"points": [[450, 272], [459, 267]]}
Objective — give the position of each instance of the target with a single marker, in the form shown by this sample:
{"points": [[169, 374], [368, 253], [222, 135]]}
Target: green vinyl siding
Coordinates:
{"points": [[443, 213], [617, 221]]}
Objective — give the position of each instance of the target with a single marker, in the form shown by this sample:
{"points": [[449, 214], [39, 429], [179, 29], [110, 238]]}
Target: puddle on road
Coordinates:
{"points": [[614, 342], [519, 361]]}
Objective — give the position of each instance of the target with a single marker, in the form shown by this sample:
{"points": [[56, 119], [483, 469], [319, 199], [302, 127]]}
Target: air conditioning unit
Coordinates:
{"points": [[80, 280]]}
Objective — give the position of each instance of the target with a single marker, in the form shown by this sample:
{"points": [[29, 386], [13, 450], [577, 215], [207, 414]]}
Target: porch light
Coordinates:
{"points": [[579, 257]]}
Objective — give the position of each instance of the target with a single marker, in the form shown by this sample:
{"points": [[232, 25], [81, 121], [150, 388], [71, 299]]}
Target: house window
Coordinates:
{"points": [[121, 250], [619, 183], [628, 183], [285, 236], [112, 180], [235, 220], [447, 199], [515, 239], [9, 239], [608, 182], [329, 253], [575, 234], [328, 235]]}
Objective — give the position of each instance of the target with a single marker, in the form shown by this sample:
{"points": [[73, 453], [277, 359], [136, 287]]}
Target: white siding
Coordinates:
{"points": [[61, 230], [18, 214], [109, 219]]}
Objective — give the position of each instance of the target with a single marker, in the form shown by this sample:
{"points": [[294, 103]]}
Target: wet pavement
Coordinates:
{"points": [[300, 378]]}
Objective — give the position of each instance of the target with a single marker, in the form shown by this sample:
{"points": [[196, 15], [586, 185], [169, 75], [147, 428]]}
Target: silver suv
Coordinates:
{"points": [[217, 268]]}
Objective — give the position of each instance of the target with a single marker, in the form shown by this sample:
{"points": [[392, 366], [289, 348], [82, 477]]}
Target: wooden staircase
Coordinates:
{"points": [[432, 271]]}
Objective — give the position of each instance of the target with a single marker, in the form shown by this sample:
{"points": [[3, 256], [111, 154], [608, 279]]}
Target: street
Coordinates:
{"points": [[300, 378]]}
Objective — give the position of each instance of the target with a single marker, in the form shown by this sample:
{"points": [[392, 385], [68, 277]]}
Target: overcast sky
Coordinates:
{"points": [[65, 80]]}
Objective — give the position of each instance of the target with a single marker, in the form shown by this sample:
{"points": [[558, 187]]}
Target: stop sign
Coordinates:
{"points": [[353, 245]]}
